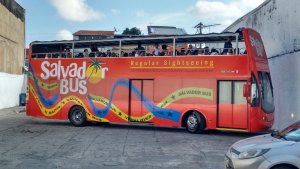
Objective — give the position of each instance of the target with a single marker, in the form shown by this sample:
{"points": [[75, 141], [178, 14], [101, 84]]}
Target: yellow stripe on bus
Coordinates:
{"points": [[190, 92], [45, 86], [104, 101], [54, 110]]}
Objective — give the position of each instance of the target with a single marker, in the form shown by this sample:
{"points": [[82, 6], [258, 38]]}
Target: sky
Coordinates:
{"points": [[59, 19]]}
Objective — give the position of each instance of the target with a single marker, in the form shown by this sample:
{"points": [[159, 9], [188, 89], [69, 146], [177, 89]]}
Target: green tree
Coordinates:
{"points": [[132, 31], [126, 31]]}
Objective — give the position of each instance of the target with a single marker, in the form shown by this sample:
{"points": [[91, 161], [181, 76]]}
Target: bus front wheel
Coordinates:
{"points": [[77, 116], [195, 122]]}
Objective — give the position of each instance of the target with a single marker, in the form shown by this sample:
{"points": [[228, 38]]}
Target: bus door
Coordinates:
{"points": [[232, 105], [141, 97]]}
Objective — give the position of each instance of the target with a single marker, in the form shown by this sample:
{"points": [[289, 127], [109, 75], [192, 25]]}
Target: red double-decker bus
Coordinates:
{"points": [[186, 81]]}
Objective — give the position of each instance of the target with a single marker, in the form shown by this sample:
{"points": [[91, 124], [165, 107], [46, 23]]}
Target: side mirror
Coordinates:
{"points": [[246, 90], [274, 132]]}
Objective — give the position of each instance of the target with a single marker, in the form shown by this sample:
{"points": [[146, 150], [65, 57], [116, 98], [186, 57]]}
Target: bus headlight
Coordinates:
{"points": [[252, 153]]}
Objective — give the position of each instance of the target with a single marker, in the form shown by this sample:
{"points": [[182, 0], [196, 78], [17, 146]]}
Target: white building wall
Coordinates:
{"points": [[10, 88], [285, 72], [278, 23]]}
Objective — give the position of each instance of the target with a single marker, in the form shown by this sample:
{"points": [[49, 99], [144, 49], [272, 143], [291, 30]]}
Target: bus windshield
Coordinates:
{"points": [[266, 92]]}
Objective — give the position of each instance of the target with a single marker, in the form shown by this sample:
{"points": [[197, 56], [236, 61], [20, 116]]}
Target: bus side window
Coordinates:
{"points": [[254, 92]]}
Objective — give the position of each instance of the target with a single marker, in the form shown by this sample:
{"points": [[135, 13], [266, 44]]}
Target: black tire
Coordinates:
{"points": [[77, 116], [284, 167], [195, 123]]}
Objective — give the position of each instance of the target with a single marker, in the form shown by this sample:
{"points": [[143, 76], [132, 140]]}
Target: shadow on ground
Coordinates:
{"points": [[140, 127]]}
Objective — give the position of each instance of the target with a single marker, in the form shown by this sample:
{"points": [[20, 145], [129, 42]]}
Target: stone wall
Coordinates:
{"points": [[12, 42]]}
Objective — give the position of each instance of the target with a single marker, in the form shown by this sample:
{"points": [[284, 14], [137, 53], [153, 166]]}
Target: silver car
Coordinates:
{"points": [[270, 151]]}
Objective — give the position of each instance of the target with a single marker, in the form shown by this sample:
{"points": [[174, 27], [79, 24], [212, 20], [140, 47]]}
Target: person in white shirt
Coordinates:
{"points": [[156, 50], [86, 53]]}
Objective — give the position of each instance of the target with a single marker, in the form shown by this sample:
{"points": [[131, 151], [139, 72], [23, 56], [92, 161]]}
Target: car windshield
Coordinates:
{"points": [[291, 133]]}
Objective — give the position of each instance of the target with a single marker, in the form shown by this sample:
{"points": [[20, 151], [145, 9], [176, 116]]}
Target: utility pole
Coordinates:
{"points": [[200, 26]]}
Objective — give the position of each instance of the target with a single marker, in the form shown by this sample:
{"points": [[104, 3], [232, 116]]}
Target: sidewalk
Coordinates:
{"points": [[11, 117], [12, 110]]}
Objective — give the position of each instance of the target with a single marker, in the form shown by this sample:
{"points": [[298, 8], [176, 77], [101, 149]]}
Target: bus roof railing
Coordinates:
{"points": [[212, 37]]}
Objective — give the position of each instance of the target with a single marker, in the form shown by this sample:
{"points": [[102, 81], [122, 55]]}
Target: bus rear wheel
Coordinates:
{"points": [[195, 122], [77, 116]]}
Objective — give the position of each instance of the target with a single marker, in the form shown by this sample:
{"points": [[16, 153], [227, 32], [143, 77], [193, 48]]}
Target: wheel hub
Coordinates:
{"points": [[192, 122], [78, 116]]}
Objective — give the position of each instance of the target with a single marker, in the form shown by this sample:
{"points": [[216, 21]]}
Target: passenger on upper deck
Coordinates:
{"points": [[206, 50], [108, 53], [68, 53], [156, 50], [214, 51], [200, 51], [85, 53], [229, 52], [190, 50], [139, 48], [227, 46], [164, 50], [47, 55], [182, 52], [61, 52], [94, 50]]}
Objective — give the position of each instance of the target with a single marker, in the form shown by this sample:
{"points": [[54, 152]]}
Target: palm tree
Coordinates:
{"points": [[96, 65]]}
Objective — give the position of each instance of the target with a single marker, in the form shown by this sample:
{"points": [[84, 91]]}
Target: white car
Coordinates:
{"points": [[270, 151]]}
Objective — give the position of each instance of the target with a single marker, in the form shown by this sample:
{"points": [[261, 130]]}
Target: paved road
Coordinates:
{"points": [[27, 143]]}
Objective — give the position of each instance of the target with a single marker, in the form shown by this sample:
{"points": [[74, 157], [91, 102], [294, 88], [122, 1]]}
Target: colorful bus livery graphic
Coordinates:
{"points": [[154, 111], [73, 78], [188, 87], [96, 71]]}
